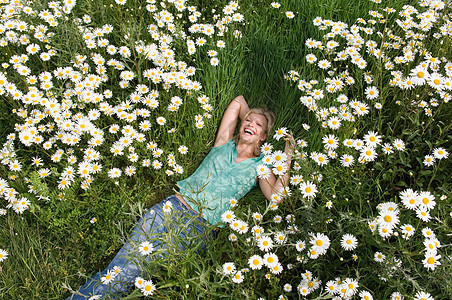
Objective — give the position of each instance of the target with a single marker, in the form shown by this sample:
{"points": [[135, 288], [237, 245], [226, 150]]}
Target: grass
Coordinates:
{"points": [[54, 246]]}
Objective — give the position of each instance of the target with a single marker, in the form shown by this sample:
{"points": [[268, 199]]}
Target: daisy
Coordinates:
{"points": [[161, 120], [214, 61], [334, 123], [388, 219], [148, 287], [108, 278], [349, 242], [371, 92], [139, 282], [330, 142], [255, 262], [321, 159], [431, 245], [44, 172], [320, 242], [228, 268], [130, 170], [232, 237], [409, 199], [308, 189], [407, 230], [3, 255], [263, 172], [423, 214], [279, 133], [146, 248], [280, 238], [228, 216], [440, 153], [265, 243], [238, 277], [279, 169], [423, 296], [157, 164], [399, 144], [368, 154], [199, 124], [311, 58], [347, 160], [387, 148], [257, 230], [372, 139], [300, 245], [270, 259], [296, 179], [266, 148], [167, 206], [331, 287], [428, 233], [287, 287], [324, 64], [277, 269], [379, 257], [396, 296], [426, 200], [290, 14]]}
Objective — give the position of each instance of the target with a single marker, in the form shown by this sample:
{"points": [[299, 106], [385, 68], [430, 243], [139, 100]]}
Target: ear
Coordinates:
{"points": [[263, 137]]}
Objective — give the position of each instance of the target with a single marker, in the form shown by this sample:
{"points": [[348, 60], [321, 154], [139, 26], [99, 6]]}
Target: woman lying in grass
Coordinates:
{"points": [[228, 171]]}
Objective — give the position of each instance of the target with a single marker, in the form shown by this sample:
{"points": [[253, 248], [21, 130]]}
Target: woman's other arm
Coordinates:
{"points": [[236, 109], [273, 185]]}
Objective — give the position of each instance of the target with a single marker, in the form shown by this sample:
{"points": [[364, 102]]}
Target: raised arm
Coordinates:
{"points": [[236, 109], [273, 184]]}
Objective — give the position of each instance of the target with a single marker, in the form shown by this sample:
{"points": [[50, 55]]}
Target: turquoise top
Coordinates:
{"points": [[218, 179]]}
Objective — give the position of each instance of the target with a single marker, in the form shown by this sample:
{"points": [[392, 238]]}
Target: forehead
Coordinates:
{"points": [[257, 117]]}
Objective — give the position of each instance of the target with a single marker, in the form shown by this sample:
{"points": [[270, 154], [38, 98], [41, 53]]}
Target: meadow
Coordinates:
{"points": [[105, 104]]}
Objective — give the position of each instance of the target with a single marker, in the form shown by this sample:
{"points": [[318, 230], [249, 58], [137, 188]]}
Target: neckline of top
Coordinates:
{"points": [[235, 156]]}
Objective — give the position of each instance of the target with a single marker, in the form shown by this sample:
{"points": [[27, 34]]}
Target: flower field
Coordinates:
{"points": [[106, 104]]}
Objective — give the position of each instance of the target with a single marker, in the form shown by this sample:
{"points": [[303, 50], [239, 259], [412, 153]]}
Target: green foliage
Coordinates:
{"points": [[69, 234]]}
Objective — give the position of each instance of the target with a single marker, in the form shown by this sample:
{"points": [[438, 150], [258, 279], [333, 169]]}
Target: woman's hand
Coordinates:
{"points": [[290, 145], [274, 184]]}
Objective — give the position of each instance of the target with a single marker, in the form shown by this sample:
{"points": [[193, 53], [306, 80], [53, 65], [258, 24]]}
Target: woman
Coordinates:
{"points": [[228, 171]]}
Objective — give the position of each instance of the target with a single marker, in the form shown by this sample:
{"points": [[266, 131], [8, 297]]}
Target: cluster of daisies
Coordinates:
{"points": [[70, 114], [362, 45], [366, 147], [437, 154], [113, 276], [15, 201], [276, 162], [388, 221], [346, 289]]}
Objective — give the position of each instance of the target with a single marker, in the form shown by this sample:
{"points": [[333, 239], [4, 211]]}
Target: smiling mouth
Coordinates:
{"points": [[247, 131]]}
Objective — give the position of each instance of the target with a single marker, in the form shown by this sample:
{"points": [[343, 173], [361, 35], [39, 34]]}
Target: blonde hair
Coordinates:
{"points": [[269, 115]]}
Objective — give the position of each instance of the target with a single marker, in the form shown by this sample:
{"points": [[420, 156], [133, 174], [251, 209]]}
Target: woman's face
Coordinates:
{"points": [[252, 129]]}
